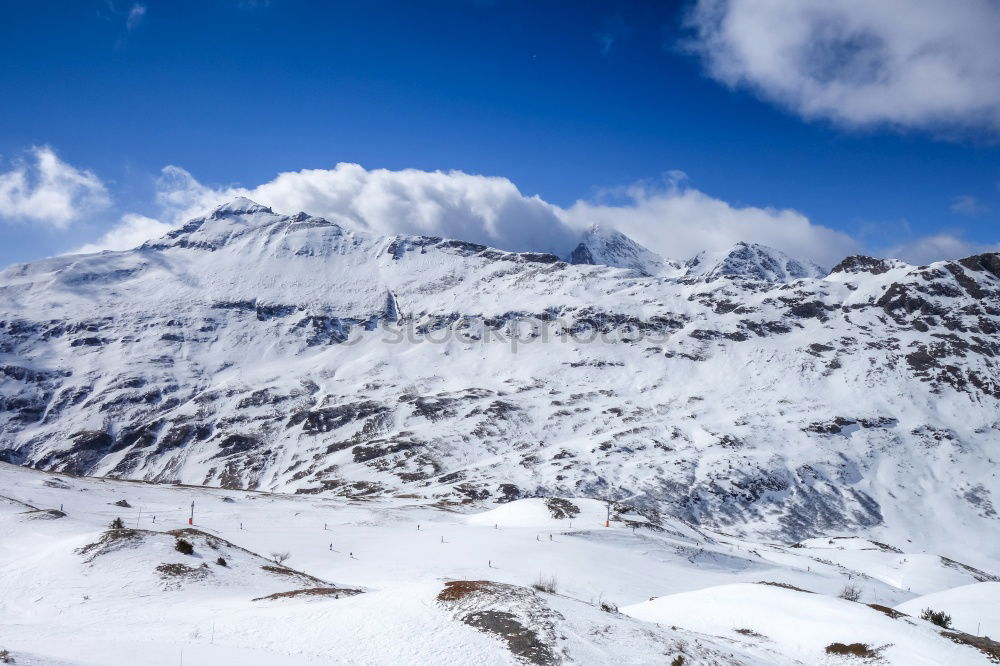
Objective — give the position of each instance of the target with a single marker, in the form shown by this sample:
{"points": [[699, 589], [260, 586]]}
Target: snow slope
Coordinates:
{"points": [[801, 624], [66, 601], [254, 350], [974, 608]]}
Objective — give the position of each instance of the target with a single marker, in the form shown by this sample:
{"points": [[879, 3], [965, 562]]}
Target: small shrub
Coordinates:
{"points": [[852, 650], [182, 571], [940, 618], [183, 546], [750, 632], [679, 660], [280, 557], [221, 562], [605, 605], [545, 584], [117, 524], [850, 593], [6, 657]]}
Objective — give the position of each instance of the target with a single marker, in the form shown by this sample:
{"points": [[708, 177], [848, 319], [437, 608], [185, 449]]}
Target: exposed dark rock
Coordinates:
{"points": [[561, 508], [327, 419], [861, 264]]}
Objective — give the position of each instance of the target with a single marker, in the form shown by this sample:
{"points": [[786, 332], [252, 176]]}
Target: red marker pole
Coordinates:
{"points": [[191, 519]]}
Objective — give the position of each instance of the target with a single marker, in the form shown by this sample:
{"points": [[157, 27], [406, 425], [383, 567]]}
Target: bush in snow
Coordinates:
{"points": [[6, 657], [117, 524], [221, 562], [852, 650], [545, 584], [605, 605], [184, 546], [850, 592], [940, 618]]}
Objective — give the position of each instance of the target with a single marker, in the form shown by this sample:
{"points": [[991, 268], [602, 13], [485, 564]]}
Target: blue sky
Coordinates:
{"points": [[566, 100]]}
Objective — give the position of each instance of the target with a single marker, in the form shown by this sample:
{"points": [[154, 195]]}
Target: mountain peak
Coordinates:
{"points": [[609, 247], [226, 221], [751, 261], [239, 206]]}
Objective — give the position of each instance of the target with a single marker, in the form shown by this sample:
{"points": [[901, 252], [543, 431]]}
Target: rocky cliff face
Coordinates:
{"points": [[250, 349]]}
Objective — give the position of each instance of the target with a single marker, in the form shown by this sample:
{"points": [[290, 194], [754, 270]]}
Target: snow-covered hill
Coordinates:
{"points": [[533, 581], [249, 349]]}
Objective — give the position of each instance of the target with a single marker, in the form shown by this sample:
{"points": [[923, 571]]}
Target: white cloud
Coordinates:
{"points": [[918, 63], [672, 218], [677, 221], [482, 209], [133, 230], [135, 15], [967, 205], [47, 190], [182, 197], [936, 247]]}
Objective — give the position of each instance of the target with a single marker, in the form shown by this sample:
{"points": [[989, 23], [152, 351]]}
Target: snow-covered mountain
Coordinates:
{"points": [[751, 261], [256, 350], [605, 247]]}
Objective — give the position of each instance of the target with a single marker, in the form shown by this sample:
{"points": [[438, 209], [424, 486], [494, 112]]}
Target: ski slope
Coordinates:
{"points": [[70, 594]]}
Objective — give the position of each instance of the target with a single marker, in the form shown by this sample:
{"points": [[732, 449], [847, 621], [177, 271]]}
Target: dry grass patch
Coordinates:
{"points": [[303, 578], [112, 540], [546, 584], [183, 571], [44, 514], [335, 592], [984, 644], [891, 612], [852, 650], [512, 613], [459, 589], [787, 586], [751, 633]]}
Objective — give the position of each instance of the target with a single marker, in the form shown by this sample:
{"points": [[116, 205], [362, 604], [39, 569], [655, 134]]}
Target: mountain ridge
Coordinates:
{"points": [[302, 357]]}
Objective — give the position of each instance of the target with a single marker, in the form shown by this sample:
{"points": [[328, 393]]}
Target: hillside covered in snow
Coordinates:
{"points": [[747, 392], [303, 580]]}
